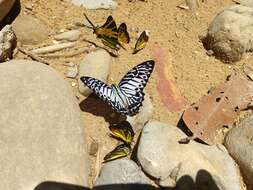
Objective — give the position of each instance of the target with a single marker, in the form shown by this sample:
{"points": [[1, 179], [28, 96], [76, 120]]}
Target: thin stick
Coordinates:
{"points": [[80, 51], [33, 56]]}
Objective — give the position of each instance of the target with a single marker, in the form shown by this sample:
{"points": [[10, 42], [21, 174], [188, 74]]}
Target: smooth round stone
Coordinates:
{"points": [[162, 157], [30, 30], [97, 65], [71, 35], [239, 142], [42, 136], [96, 4], [122, 174]]}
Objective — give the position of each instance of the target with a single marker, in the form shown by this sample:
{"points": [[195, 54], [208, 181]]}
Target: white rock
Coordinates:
{"points": [[239, 144], [230, 33], [8, 42], [30, 30], [162, 157], [97, 65], [118, 172], [5, 7], [71, 73], [42, 137], [143, 116], [71, 35], [248, 3], [96, 4]]}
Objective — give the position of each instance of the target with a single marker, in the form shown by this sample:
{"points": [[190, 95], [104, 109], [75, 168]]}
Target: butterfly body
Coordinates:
{"points": [[128, 95]]}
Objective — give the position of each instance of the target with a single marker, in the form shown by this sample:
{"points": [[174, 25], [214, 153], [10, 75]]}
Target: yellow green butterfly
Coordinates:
{"points": [[123, 35], [123, 131], [141, 42], [108, 32], [120, 151]]}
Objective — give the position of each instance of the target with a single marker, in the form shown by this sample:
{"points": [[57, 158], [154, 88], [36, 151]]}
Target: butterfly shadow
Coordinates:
{"points": [[203, 181], [94, 105]]}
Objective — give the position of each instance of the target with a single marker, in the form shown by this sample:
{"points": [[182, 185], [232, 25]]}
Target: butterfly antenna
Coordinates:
{"points": [[93, 26]]}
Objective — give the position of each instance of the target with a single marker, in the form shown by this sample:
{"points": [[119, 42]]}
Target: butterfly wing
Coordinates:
{"points": [[123, 131], [141, 42], [123, 35], [119, 152], [110, 24], [110, 42], [133, 83], [101, 89]]}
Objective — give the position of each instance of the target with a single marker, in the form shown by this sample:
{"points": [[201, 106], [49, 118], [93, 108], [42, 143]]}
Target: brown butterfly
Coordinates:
{"points": [[141, 42], [108, 32], [123, 35]]}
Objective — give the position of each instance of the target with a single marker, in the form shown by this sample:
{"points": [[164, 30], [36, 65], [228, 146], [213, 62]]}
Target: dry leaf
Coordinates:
{"points": [[219, 108], [166, 86]]}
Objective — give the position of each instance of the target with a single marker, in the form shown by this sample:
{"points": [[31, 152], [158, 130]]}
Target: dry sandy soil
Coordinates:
{"points": [[176, 30]]}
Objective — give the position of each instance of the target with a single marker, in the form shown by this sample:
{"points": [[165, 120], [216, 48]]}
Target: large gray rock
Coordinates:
{"points": [[239, 142], [230, 33], [42, 137], [123, 171], [162, 157], [97, 65], [96, 4], [30, 30], [5, 7]]}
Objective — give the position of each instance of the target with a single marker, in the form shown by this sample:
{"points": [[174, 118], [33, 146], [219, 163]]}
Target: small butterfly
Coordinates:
{"points": [[108, 32], [120, 151], [141, 42], [128, 95], [123, 35], [123, 131]]}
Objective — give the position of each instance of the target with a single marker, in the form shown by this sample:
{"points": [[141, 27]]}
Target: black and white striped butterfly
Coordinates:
{"points": [[127, 96]]}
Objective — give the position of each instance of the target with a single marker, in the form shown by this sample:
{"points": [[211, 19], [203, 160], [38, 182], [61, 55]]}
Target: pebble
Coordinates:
{"points": [[71, 73], [97, 65], [239, 142], [71, 35], [143, 116], [162, 157], [122, 171], [30, 30], [96, 4], [93, 148], [69, 64]]}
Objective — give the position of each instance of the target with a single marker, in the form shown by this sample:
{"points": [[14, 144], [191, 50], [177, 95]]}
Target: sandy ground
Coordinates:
{"points": [[176, 30]]}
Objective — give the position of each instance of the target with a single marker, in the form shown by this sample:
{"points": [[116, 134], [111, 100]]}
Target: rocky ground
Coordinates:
{"points": [[55, 134]]}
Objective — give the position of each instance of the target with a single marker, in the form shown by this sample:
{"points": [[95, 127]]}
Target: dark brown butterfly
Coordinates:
{"points": [[141, 42], [108, 32], [123, 35]]}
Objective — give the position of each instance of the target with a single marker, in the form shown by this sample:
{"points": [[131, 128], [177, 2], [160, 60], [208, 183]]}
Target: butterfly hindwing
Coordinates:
{"points": [[141, 42], [123, 131], [123, 35], [120, 151]]}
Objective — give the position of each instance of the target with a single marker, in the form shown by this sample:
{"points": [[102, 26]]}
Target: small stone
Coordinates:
{"points": [[122, 171], [144, 114], [29, 6], [97, 65], [162, 157], [69, 64], [93, 148], [96, 4], [71, 73], [71, 35], [30, 30], [209, 52]]}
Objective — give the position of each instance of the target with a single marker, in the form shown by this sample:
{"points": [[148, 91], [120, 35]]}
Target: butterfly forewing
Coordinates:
{"points": [[110, 24], [123, 131], [141, 42], [120, 151], [123, 35]]}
